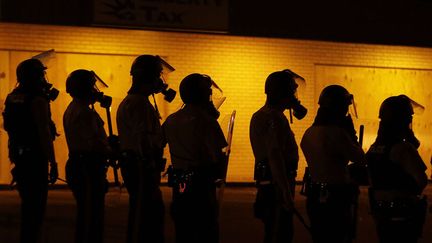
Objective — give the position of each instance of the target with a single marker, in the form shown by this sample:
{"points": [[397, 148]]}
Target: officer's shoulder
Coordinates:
{"points": [[269, 114], [39, 100], [171, 119], [403, 146], [377, 149], [16, 98]]}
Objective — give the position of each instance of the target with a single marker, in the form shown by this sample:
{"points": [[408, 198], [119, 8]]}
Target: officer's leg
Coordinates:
{"points": [[75, 177], [316, 215], [395, 230], [32, 186], [206, 214], [98, 190], [264, 207], [182, 219], [130, 174], [153, 215], [283, 222]]}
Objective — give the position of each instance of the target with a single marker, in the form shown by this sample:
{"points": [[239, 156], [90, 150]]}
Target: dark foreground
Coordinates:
{"points": [[237, 222]]}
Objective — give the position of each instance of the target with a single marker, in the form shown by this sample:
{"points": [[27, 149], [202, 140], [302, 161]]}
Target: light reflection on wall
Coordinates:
{"points": [[239, 65]]}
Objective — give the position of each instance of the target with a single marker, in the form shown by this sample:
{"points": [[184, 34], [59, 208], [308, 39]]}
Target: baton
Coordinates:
{"points": [[301, 219], [111, 161]]}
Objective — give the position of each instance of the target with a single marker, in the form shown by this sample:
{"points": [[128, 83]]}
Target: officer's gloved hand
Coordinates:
{"points": [[53, 173], [113, 141], [114, 153]]}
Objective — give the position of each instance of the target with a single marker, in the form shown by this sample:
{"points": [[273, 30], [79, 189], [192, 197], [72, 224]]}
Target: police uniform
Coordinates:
{"points": [[27, 119], [398, 178], [328, 150], [140, 136], [276, 159], [195, 141], [86, 168]]}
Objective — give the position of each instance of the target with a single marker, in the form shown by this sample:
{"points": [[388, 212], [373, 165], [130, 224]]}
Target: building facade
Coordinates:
{"points": [[238, 64]]}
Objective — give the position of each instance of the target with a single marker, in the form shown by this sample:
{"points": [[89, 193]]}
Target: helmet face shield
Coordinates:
{"points": [[46, 57], [299, 85], [98, 96], [418, 108], [352, 109], [169, 94], [216, 96], [166, 67], [399, 108]]}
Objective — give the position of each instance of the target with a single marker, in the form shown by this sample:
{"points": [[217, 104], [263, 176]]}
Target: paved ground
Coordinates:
{"points": [[237, 222]]}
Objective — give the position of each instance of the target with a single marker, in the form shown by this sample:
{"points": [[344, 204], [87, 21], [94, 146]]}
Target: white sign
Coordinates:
{"points": [[204, 15]]}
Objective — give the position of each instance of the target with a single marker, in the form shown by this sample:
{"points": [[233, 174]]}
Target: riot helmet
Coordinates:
{"points": [[146, 65], [196, 89], [396, 109], [81, 84], [31, 76], [396, 114], [282, 85], [150, 70], [337, 99], [29, 71]]}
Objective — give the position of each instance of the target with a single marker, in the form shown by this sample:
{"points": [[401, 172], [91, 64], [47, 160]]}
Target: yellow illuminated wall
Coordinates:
{"points": [[239, 65]]}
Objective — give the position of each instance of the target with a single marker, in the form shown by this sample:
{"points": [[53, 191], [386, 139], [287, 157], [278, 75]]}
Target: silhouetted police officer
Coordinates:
{"points": [[88, 152], [140, 136], [195, 141], [27, 119], [397, 174], [276, 156], [329, 145]]}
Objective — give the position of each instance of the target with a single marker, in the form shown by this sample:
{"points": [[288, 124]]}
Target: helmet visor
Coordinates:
{"points": [[99, 84], [418, 108], [300, 82], [166, 67], [46, 57], [353, 107], [217, 96]]}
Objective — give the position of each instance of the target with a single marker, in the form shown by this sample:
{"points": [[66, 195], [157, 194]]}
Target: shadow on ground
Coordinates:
{"points": [[237, 222]]}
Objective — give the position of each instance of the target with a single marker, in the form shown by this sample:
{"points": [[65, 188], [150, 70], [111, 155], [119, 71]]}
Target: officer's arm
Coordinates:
{"points": [[353, 150], [41, 114], [216, 142], [92, 132], [276, 160], [408, 157], [144, 127]]}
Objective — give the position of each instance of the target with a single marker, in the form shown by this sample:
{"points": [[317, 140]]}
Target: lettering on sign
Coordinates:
{"points": [[211, 15]]}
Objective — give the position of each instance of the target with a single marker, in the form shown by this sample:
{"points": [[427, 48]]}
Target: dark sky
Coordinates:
{"points": [[399, 22]]}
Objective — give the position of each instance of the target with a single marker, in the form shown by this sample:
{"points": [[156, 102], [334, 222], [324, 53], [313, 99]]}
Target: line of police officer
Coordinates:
{"points": [[392, 165], [195, 142], [193, 133]]}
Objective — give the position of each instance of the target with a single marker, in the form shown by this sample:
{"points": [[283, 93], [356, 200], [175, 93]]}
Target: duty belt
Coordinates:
{"points": [[263, 183]]}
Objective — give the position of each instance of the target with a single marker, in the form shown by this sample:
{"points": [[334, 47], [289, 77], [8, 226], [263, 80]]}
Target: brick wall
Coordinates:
{"points": [[238, 64]]}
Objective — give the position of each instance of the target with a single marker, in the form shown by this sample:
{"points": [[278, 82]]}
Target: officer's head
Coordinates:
{"points": [[31, 72], [146, 72], [335, 98], [396, 114], [196, 89], [280, 87], [397, 110], [80, 84]]}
